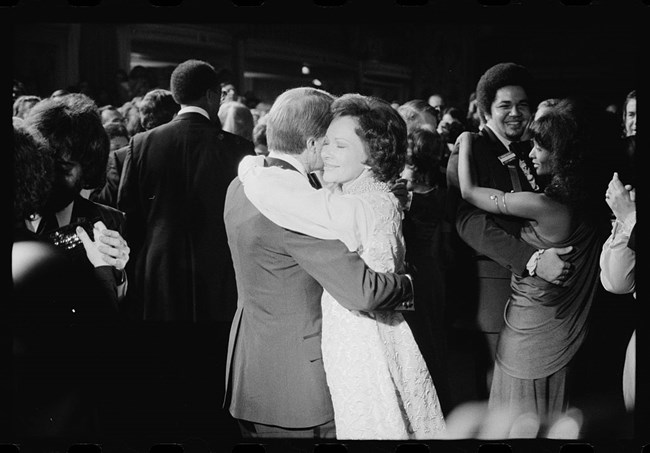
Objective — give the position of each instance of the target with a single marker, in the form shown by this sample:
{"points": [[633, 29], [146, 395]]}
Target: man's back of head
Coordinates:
{"points": [[297, 115], [191, 79]]}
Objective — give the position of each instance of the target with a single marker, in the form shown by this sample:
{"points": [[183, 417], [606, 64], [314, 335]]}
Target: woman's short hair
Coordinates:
{"points": [[497, 77], [381, 129], [114, 130], [33, 169], [157, 107], [414, 111], [296, 116], [426, 151], [237, 119], [23, 104], [191, 79], [71, 128]]}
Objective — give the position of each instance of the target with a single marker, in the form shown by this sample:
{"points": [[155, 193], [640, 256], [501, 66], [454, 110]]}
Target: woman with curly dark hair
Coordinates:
{"points": [[380, 385], [546, 324], [57, 304]]}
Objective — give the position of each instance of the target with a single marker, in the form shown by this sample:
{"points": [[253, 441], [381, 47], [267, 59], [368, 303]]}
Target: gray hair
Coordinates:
{"points": [[297, 115]]}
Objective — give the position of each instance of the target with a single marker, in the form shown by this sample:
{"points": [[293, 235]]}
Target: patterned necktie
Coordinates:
{"points": [[514, 147]]}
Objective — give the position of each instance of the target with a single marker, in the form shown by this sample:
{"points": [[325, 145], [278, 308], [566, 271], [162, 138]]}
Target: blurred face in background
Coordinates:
{"points": [[630, 118], [228, 93], [67, 183], [112, 116], [407, 175], [425, 120], [119, 142]]}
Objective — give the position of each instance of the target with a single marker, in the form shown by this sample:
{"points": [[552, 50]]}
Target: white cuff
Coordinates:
{"points": [[531, 266]]}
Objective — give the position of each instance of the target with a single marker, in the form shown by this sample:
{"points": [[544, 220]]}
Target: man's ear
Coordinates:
{"points": [[312, 143]]}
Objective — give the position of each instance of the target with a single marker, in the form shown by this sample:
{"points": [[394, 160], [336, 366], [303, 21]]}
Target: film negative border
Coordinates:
{"points": [[407, 10]]}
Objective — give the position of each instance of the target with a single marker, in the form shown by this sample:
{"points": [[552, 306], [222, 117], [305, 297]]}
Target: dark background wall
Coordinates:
{"points": [[414, 60]]}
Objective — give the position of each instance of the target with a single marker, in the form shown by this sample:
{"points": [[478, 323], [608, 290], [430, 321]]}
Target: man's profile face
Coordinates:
{"points": [[630, 118], [227, 93], [510, 112]]}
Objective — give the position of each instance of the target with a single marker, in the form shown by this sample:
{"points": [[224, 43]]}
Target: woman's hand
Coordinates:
{"points": [[108, 248]]}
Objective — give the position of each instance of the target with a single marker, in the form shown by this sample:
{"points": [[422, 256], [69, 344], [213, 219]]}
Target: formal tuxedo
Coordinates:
{"points": [[175, 178], [181, 281], [495, 248], [275, 372]]}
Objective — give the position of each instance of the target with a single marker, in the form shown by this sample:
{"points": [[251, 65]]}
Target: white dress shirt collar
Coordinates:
{"points": [[193, 109], [290, 159]]}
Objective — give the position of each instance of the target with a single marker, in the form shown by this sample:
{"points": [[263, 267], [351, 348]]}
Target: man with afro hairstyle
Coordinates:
{"points": [[489, 244], [173, 186]]}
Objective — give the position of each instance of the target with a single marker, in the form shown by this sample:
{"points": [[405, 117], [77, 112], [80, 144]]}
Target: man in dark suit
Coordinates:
{"points": [[276, 378], [182, 282], [490, 243], [175, 178]]}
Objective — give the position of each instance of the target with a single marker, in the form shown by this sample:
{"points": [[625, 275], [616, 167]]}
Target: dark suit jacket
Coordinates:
{"points": [[174, 181], [275, 369], [496, 249], [87, 210], [107, 194]]}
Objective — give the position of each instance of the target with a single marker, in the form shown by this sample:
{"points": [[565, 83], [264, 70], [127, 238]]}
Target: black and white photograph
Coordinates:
{"points": [[254, 229]]}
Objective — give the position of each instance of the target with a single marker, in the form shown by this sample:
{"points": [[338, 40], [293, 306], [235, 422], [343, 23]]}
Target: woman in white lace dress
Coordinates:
{"points": [[379, 382]]}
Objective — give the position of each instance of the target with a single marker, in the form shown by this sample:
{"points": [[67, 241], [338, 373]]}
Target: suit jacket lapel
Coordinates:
{"points": [[499, 148]]}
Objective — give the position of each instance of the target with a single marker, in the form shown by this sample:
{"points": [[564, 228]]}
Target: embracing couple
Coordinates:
{"points": [[319, 347]]}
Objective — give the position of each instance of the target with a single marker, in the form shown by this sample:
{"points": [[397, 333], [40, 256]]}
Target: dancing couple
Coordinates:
{"points": [[319, 347]]}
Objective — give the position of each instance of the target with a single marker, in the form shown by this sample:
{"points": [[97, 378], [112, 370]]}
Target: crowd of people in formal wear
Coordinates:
{"points": [[196, 263]]}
